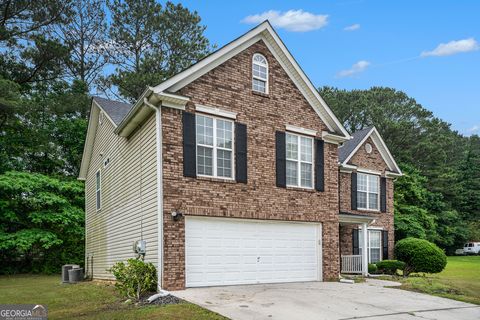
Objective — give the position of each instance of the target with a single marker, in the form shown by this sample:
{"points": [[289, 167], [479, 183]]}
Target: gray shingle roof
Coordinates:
{"points": [[116, 110], [347, 148]]}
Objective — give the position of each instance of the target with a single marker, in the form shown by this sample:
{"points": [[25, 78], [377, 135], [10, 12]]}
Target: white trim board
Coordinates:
{"points": [[216, 111], [295, 129], [89, 139], [369, 171]]}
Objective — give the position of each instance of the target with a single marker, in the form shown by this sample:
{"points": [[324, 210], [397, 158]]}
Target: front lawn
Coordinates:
{"points": [[87, 300], [460, 280]]}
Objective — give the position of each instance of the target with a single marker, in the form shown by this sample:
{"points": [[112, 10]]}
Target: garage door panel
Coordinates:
{"points": [[232, 251]]}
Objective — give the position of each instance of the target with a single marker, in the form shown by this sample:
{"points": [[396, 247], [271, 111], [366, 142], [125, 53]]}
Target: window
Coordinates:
{"points": [[214, 147], [374, 244], [260, 73], [98, 189], [367, 191], [299, 162]]}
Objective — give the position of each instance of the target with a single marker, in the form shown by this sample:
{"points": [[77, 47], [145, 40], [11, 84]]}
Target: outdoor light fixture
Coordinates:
{"points": [[176, 215]]}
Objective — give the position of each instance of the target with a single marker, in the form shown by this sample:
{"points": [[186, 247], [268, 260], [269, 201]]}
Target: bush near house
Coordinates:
{"points": [[41, 222], [390, 266], [135, 278], [372, 268], [420, 256]]}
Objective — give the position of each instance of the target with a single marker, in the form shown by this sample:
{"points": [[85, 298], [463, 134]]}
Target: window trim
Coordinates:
{"points": [[98, 190], [369, 247], [214, 147], [257, 77], [369, 192], [216, 111], [299, 161]]}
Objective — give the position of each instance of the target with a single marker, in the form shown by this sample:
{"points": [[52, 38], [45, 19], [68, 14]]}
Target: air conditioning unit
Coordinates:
{"points": [[65, 269], [75, 275]]}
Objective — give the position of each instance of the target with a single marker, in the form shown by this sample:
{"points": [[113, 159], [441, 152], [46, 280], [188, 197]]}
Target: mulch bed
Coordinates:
{"points": [[169, 299]]}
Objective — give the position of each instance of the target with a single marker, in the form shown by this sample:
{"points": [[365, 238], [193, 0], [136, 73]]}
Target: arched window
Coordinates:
{"points": [[260, 73]]}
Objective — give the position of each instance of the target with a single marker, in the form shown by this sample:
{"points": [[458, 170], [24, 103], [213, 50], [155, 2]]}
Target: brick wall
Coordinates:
{"points": [[229, 87], [372, 161]]}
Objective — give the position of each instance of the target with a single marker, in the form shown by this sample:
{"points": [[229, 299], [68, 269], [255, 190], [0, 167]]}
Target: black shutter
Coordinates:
{"points": [[280, 155], [383, 194], [356, 250], [189, 148], [354, 191], [384, 245], [240, 152], [319, 166]]}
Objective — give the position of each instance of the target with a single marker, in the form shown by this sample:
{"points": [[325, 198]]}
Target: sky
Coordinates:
{"points": [[428, 49]]}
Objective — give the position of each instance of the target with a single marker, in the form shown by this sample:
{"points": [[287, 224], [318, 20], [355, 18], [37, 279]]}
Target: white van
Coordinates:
{"points": [[471, 248]]}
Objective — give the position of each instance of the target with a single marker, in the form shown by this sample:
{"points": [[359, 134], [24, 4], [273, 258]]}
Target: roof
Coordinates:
{"points": [[127, 117], [267, 34], [348, 146], [115, 110]]}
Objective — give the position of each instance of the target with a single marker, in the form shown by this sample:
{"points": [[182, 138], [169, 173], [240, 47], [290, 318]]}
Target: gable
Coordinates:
{"points": [[101, 110], [371, 161], [229, 87], [266, 33], [348, 152]]}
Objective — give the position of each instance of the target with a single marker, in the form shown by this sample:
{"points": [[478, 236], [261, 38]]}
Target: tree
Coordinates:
{"points": [[152, 43], [84, 33], [19, 19], [412, 133], [9, 99], [41, 223], [47, 131], [412, 219], [470, 180], [29, 54]]}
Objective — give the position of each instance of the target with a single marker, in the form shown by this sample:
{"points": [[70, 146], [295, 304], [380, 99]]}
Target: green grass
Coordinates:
{"points": [[460, 280], [88, 300]]}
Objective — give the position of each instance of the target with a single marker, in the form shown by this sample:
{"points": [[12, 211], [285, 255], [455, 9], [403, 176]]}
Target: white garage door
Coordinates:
{"points": [[223, 251]]}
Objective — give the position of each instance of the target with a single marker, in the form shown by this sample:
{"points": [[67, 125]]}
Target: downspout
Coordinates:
{"points": [[158, 121]]}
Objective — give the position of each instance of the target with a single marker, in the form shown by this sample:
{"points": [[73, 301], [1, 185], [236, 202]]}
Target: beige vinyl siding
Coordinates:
{"points": [[129, 191]]}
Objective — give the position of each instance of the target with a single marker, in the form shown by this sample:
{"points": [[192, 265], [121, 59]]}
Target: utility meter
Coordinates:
{"points": [[140, 247]]}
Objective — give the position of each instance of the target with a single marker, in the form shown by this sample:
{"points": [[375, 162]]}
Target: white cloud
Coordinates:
{"points": [[353, 27], [291, 20], [358, 67], [474, 129], [453, 47]]}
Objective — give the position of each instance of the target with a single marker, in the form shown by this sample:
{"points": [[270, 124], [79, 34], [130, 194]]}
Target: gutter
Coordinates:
{"points": [[159, 143], [133, 111]]}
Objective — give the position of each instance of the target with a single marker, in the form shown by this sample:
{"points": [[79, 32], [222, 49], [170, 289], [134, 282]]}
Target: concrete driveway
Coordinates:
{"points": [[327, 301]]}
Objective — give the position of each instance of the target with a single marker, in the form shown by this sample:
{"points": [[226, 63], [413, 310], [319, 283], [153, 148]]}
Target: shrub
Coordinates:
{"points": [[372, 268], [134, 278], [390, 266], [420, 256], [42, 222]]}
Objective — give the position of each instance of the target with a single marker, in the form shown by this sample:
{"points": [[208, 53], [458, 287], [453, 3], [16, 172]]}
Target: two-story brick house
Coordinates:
{"points": [[235, 171]]}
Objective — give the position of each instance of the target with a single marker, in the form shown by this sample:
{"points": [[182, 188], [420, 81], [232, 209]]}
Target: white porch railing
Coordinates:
{"points": [[352, 264]]}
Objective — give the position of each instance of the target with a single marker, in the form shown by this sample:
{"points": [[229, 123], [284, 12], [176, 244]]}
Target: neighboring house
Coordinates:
{"points": [[232, 173]]}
